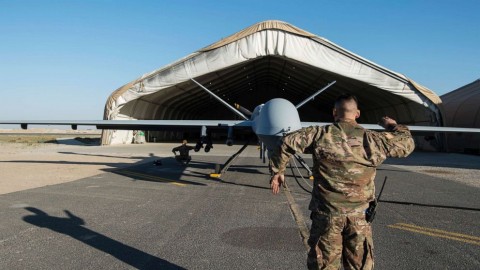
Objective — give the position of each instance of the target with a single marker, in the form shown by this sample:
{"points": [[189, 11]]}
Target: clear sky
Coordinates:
{"points": [[60, 60]]}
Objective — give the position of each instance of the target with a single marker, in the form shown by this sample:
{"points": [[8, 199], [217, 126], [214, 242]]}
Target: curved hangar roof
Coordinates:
{"points": [[264, 61]]}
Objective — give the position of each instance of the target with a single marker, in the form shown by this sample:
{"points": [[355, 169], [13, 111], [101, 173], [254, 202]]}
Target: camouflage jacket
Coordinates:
{"points": [[345, 157]]}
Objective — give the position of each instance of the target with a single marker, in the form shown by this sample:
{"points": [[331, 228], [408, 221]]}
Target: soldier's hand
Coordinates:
{"points": [[275, 183], [387, 122]]}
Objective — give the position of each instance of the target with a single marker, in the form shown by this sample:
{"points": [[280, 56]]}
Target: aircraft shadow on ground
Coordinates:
{"points": [[155, 178], [175, 172], [73, 226], [247, 169], [451, 162], [431, 205], [96, 155], [112, 165], [242, 185], [169, 170]]}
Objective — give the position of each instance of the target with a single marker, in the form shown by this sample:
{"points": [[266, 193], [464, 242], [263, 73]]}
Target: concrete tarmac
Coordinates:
{"points": [[174, 217]]}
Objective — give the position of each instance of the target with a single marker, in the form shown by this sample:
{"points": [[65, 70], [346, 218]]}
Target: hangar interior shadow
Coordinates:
{"points": [[259, 80], [73, 226]]}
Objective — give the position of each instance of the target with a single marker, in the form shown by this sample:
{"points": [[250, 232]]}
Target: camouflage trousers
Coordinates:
{"points": [[340, 239]]}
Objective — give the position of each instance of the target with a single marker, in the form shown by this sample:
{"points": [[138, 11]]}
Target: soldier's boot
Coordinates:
{"points": [[312, 261]]}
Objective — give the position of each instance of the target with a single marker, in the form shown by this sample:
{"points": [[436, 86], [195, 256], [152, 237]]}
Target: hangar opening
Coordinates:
{"points": [[268, 60]]}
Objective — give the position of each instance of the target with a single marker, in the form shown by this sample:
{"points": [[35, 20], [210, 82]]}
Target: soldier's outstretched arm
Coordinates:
{"points": [[297, 141]]}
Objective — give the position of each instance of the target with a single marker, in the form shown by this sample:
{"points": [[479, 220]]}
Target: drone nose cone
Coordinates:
{"points": [[277, 116]]}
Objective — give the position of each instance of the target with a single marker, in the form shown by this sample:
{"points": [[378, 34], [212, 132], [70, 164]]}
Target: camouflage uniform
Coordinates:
{"points": [[345, 157]]}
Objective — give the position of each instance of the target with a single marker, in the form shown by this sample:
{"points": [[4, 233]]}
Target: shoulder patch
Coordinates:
{"points": [[389, 135]]}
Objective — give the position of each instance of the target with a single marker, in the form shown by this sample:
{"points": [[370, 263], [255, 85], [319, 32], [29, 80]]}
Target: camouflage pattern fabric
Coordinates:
{"points": [[345, 157], [334, 236]]}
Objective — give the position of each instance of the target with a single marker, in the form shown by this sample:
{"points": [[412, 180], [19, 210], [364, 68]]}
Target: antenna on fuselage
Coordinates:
{"points": [[221, 100], [314, 95]]}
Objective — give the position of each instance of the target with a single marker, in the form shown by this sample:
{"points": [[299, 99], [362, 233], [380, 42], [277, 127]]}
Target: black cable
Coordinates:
{"points": [[296, 179]]}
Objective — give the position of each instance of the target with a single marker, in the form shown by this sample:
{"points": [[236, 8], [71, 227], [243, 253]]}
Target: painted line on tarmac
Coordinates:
{"points": [[150, 177], [297, 214], [470, 239]]}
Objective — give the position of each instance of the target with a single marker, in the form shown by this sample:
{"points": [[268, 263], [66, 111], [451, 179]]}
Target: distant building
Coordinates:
{"points": [[462, 109]]}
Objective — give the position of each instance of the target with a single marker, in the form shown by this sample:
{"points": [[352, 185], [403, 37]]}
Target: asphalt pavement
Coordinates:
{"points": [[176, 217]]}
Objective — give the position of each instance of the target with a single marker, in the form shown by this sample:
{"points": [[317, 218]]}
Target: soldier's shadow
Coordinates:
{"points": [[73, 227]]}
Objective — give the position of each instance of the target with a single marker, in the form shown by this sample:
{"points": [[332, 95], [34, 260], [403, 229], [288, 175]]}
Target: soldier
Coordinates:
{"points": [[184, 150], [345, 157]]}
